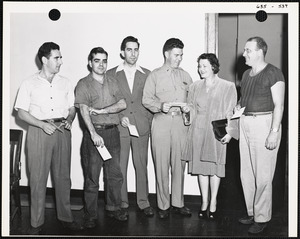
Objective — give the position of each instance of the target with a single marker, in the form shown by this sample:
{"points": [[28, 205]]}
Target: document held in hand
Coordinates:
{"points": [[104, 153], [132, 130], [238, 113]]}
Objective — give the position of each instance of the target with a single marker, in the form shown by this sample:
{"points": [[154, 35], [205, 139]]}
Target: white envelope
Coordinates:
{"points": [[104, 153], [238, 113], [133, 130]]}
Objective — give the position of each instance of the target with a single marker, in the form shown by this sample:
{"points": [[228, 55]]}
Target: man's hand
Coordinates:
{"points": [[271, 141], [97, 112], [185, 109], [125, 122], [97, 140], [165, 107], [48, 128], [237, 108], [67, 124]]}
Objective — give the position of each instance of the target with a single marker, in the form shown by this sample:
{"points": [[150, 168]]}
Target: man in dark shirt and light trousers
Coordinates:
{"points": [[262, 93], [99, 99]]}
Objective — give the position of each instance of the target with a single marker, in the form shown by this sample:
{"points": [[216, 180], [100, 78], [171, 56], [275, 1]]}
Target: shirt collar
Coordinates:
{"points": [[104, 79], [137, 67], [169, 69]]}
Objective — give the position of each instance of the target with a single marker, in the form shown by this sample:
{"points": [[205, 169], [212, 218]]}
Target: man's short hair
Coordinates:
{"points": [[95, 51], [45, 50], [124, 42], [213, 60], [260, 43], [172, 43]]}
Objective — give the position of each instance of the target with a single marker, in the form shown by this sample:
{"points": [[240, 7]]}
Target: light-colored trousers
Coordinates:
{"points": [[257, 165], [139, 149], [47, 152], [168, 137]]}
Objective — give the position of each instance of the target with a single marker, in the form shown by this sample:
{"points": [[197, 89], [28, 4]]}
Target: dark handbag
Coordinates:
{"points": [[219, 128]]}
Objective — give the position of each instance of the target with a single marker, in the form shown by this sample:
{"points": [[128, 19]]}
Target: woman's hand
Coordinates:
{"points": [[226, 139]]}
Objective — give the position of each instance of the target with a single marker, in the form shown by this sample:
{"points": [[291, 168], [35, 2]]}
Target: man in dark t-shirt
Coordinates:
{"points": [[262, 95], [99, 99]]}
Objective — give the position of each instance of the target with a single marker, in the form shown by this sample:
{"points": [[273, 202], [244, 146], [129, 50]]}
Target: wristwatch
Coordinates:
{"points": [[275, 130]]}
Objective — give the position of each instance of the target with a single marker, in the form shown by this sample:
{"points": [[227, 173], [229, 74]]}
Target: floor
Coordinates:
{"points": [[230, 207], [139, 225]]}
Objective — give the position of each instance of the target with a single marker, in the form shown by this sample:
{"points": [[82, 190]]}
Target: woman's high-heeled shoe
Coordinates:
{"points": [[212, 215], [202, 214]]}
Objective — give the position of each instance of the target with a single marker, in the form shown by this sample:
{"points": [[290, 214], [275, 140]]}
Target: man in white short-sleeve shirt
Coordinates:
{"points": [[46, 102]]}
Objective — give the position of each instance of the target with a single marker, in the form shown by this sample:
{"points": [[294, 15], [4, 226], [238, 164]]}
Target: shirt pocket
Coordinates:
{"points": [[60, 98], [94, 100], [163, 90]]}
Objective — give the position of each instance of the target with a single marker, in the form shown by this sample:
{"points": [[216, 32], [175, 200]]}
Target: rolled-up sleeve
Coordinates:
{"points": [[81, 94]]}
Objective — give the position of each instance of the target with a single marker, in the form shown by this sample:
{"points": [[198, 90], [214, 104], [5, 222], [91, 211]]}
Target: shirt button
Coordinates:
{"points": [[130, 112], [131, 102], [51, 109], [51, 98]]}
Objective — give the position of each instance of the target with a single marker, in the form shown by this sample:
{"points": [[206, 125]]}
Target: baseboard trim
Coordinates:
{"points": [[50, 198], [77, 197]]}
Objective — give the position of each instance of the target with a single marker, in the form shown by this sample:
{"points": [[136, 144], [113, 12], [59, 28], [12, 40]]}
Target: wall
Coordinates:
{"points": [[77, 34], [235, 29]]}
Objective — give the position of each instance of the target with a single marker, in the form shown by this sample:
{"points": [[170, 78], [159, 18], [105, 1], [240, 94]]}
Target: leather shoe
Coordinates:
{"points": [[118, 214], [34, 230], [257, 227], [247, 220], [163, 214], [73, 226], [182, 210], [90, 223], [148, 211], [125, 211]]}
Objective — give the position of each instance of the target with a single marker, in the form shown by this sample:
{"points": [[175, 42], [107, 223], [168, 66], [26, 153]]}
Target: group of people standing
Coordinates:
{"points": [[166, 103]]}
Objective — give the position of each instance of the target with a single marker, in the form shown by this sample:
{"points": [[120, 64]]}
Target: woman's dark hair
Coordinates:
{"points": [[213, 60]]}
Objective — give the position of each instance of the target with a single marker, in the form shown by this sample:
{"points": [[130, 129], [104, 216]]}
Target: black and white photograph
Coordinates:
{"points": [[150, 119]]}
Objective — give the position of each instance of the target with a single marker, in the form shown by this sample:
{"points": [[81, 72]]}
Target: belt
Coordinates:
{"points": [[104, 126], [54, 120], [174, 113], [257, 113]]}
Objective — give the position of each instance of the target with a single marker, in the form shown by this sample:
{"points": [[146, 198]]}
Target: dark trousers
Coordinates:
{"points": [[92, 163]]}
